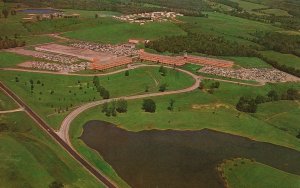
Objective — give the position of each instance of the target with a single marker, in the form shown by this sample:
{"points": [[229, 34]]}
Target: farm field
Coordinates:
{"points": [[244, 173], [26, 150], [76, 90], [289, 60]]}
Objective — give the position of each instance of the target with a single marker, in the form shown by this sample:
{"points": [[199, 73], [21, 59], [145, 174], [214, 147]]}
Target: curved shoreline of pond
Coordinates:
{"points": [[179, 158]]}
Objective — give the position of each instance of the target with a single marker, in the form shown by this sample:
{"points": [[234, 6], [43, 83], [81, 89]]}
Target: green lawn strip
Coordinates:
{"points": [[207, 75], [29, 158], [6, 103], [8, 59], [288, 60], [70, 91], [245, 173], [120, 32], [249, 62]]}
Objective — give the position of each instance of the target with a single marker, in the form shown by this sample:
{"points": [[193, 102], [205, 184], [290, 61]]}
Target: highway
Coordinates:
{"points": [[102, 178]]}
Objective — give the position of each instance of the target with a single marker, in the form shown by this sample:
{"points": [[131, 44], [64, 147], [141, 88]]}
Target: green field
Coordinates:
{"points": [[195, 111], [245, 173], [6, 103], [283, 115], [276, 12], [71, 91], [120, 32], [249, 62], [232, 28], [29, 158], [288, 60], [8, 59], [249, 6]]}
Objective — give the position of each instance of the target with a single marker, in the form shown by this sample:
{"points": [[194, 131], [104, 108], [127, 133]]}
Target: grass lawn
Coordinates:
{"points": [[29, 158], [71, 91], [289, 60], [120, 32], [282, 114], [249, 174], [249, 62], [8, 59], [193, 111], [6, 103]]}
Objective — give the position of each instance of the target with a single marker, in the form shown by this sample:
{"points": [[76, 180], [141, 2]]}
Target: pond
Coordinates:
{"points": [[180, 159], [40, 11]]}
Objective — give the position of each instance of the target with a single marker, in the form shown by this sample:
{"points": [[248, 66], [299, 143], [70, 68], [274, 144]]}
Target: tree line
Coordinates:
{"points": [[278, 42], [6, 43], [104, 93], [249, 104], [201, 43]]}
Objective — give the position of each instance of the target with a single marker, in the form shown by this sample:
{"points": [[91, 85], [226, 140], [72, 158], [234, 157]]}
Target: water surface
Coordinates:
{"points": [[171, 159]]}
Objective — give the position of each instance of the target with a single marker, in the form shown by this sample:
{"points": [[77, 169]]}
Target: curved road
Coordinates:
{"points": [[65, 126], [62, 137]]}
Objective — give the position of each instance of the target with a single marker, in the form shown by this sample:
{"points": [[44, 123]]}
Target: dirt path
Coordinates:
{"points": [[12, 111]]}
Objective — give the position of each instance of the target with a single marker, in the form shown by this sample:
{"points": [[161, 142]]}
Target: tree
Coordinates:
{"points": [[56, 184], [105, 94], [149, 105], [5, 12], [201, 86], [163, 87], [273, 96], [215, 85], [171, 105], [293, 94], [147, 89], [246, 104], [162, 70], [127, 73], [260, 99], [121, 106], [104, 107], [17, 79]]}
